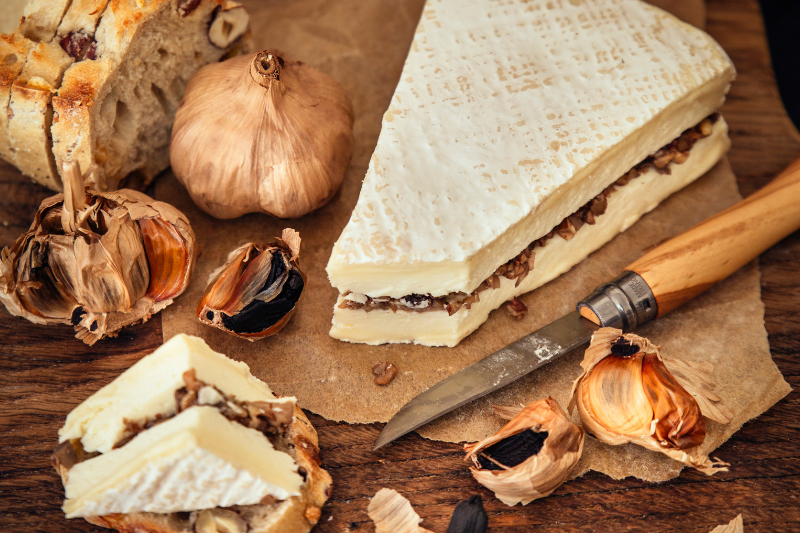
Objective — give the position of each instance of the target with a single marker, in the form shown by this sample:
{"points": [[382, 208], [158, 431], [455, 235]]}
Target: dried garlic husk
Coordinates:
{"points": [[627, 394], [734, 526], [262, 134], [530, 456], [97, 260], [254, 294], [392, 513]]}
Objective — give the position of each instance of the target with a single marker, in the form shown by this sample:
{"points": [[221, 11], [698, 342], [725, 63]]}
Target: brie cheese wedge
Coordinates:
{"points": [[183, 429], [507, 119]]}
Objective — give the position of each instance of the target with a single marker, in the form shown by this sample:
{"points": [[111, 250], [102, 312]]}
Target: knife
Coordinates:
{"points": [[652, 286]]}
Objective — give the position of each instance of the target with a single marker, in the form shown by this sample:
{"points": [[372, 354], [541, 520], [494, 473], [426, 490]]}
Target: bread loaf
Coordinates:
{"points": [[99, 81]]}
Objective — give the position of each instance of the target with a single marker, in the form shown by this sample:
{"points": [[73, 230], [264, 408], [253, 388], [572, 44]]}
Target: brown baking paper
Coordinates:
{"points": [[363, 46]]}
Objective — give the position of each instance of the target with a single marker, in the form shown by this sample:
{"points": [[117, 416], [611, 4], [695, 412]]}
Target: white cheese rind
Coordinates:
{"points": [[506, 119], [148, 388], [625, 206], [196, 460]]}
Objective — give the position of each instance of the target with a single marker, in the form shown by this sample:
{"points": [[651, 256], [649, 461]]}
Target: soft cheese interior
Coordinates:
{"points": [[147, 389], [625, 206], [197, 460], [185, 428], [507, 118]]}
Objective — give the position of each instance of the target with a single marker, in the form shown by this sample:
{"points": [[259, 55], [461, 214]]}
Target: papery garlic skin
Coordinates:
{"points": [[627, 394], [542, 473], [392, 513], [97, 261], [255, 281], [262, 134]]}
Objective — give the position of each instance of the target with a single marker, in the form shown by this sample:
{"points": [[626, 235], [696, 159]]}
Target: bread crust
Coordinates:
{"points": [[14, 50], [41, 19], [113, 108], [297, 514], [31, 114], [119, 127]]}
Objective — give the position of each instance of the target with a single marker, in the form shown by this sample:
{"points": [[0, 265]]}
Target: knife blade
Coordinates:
{"points": [[490, 373], [653, 285]]}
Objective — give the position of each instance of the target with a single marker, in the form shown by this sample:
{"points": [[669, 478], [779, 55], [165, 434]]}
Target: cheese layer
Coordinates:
{"points": [[508, 117], [197, 460], [148, 389], [625, 206]]}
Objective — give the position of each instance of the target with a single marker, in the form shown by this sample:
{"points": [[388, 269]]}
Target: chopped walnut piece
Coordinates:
{"points": [[384, 372], [269, 499], [566, 230], [517, 308], [520, 266]]}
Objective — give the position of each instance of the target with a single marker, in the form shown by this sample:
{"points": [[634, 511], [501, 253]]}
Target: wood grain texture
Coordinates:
{"points": [[688, 264], [763, 484]]}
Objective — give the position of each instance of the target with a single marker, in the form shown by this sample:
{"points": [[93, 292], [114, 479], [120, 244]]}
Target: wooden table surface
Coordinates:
{"points": [[763, 483]]}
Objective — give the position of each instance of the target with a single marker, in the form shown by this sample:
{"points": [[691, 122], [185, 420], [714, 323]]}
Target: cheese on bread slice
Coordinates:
{"points": [[185, 428], [507, 119], [197, 460]]}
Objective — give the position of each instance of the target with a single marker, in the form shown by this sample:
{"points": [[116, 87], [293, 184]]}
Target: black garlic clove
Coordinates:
{"points": [[255, 293], [469, 517]]}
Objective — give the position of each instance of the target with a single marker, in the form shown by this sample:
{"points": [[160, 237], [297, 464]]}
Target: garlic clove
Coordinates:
{"points": [[626, 393], [43, 288], [220, 521], [262, 134], [255, 293], [530, 456], [469, 517], [168, 255], [679, 422], [615, 395], [98, 261], [230, 23]]}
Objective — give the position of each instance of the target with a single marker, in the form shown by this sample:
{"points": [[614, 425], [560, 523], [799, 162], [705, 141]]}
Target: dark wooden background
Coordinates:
{"points": [[45, 372]]}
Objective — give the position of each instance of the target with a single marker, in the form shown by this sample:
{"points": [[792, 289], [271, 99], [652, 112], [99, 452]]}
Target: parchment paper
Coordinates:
{"points": [[363, 45]]}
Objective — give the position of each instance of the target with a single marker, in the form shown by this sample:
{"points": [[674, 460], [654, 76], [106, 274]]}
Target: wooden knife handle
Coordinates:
{"points": [[690, 263]]}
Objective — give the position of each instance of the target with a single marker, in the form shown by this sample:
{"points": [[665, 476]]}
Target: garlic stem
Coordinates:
{"points": [[74, 195], [266, 68]]}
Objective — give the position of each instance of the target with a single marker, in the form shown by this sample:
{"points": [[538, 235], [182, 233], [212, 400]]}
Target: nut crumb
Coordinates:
{"points": [[517, 308], [384, 373]]}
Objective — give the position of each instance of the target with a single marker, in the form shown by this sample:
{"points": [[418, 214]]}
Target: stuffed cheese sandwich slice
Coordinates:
{"points": [[521, 137], [185, 439]]}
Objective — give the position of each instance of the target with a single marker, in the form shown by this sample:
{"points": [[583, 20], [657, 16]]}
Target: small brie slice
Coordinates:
{"points": [[197, 460], [148, 389]]}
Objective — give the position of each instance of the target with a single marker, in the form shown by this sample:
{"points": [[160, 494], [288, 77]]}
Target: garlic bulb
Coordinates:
{"points": [[530, 456], [392, 513], [627, 394], [97, 260], [254, 294], [261, 134]]}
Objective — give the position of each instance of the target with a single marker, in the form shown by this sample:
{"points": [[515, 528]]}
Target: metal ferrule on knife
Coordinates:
{"points": [[624, 303]]}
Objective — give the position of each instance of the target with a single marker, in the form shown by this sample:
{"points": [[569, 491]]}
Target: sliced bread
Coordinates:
{"points": [[108, 97]]}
